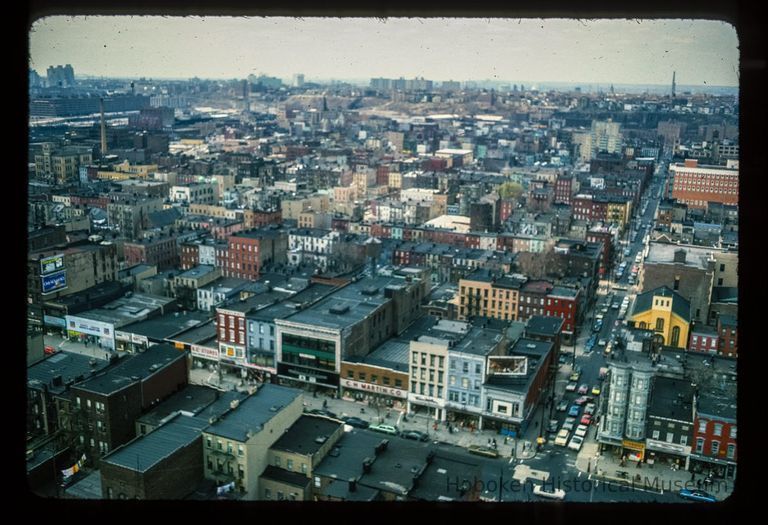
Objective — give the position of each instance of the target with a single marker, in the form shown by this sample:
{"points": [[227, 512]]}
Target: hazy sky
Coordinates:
{"points": [[541, 50]]}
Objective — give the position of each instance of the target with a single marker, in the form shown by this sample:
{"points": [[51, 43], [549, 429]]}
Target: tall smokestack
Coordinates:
{"points": [[133, 89], [103, 129]]}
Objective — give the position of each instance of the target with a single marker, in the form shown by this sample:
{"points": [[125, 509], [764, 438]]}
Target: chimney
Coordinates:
{"points": [[679, 256], [352, 484], [103, 129], [367, 462]]}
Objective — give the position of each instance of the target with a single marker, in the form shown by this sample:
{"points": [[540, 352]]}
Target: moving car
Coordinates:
{"points": [[583, 389], [581, 400], [544, 492], [589, 409], [562, 437], [562, 406], [569, 423], [570, 387], [415, 435], [574, 410], [697, 495], [581, 430], [386, 429], [575, 375], [576, 442], [323, 412], [596, 390], [356, 422], [552, 426]]}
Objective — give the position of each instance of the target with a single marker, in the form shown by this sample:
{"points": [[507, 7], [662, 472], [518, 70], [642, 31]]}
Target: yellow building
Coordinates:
{"points": [[665, 312], [484, 295], [618, 213]]}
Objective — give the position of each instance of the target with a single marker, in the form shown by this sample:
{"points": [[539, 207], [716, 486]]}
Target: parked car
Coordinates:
{"points": [[574, 410], [575, 375], [582, 400], [415, 435], [596, 390], [581, 430], [697, 495], [589, 409], [323, 412], [586, 419], [562, 437], [562, 406], [583, 389], [569, 423], [570, 387], [356, 422], [482, 451], [386, 429], [544, 492], [575, 443], [552, 426]]}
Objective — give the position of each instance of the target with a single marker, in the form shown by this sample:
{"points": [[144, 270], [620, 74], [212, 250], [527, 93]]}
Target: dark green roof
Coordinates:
{"points": [[680, 305]]}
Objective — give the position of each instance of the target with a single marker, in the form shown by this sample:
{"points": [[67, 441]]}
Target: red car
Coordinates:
{"points": [[586, 419], [49, 349]]}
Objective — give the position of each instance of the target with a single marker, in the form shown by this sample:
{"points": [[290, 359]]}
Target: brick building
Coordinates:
{"points": [[157, 251], [696, 185], [248, 251]]}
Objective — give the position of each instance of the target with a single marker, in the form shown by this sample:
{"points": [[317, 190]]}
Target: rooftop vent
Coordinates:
{"points": [[367, 463], [321, 439], [370, 290], [234, 403], [339, 309]]}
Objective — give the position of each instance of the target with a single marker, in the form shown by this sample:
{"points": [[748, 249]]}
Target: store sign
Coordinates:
{"points": [[123, 336], [87, 326], [54, 281], [662, 446], [633, 445], [204, 351], [377, 389], [50, 320], [431, 401], [51, 264], [139, 339]]}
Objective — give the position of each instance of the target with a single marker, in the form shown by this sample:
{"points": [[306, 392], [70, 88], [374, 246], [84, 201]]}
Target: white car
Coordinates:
{"points": [[581, 431], [576, 442], [556, 493], [562, 437]]}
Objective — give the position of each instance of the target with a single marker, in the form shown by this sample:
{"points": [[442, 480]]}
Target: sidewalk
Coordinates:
{"points": [[653, 477], [524, 448], [76, 347]]}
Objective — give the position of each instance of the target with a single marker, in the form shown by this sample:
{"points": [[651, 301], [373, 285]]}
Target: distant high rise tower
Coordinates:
{"points": [[673, 83], [103, 128], [61, 76], [298, 80]]}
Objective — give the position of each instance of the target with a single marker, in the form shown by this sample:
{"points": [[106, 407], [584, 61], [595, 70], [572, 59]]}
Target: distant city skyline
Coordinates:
{"points": [[548, 51]]}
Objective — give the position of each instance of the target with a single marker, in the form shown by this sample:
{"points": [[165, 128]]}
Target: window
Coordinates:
{"points": [[452, 380], [208, 442], [432, 360], [350, 374], [683, 440], [289, 464], [277, 461], [415, 359], [88, 403], [715, 447], [465, 367], [240, 450], [423, 374], [464, 382], [398, 383], [361, 376], [659, 324], [374, 378], [655, 434], [670, 437], [268, 493], [423, 359], [703, 426], [731, 451], [478, 367], [229, 447], [452, 365], [733, 432], [317, 482], [718, 431], [303, 468], [501, 409]]}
